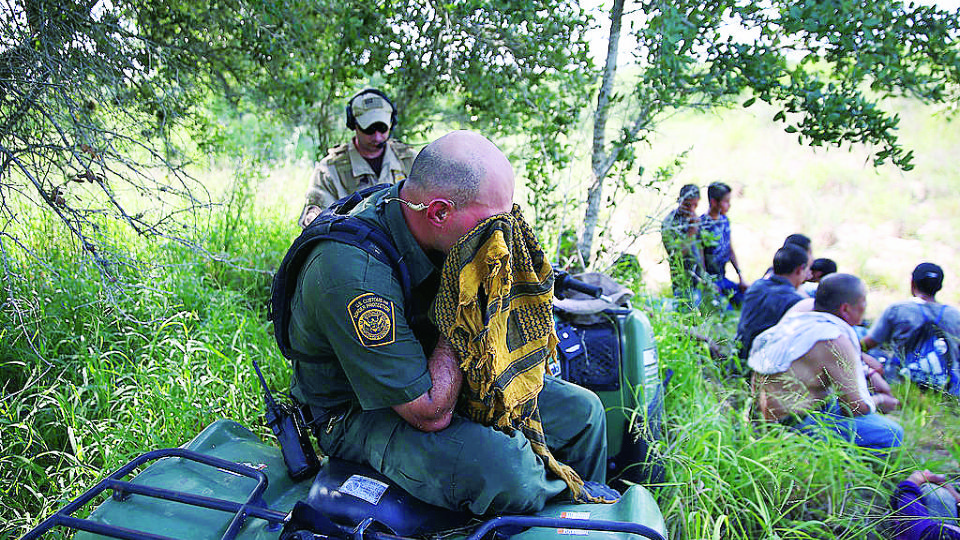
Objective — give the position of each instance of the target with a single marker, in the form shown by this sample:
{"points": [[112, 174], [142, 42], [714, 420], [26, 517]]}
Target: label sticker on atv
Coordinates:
{"points": [[574, 515], [364, 488]]}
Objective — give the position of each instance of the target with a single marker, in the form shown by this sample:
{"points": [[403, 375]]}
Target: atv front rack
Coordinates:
{"points": [[253, 507]]}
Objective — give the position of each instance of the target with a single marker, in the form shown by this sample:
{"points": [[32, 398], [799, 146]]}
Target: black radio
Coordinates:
{"points": [[298, 453]]}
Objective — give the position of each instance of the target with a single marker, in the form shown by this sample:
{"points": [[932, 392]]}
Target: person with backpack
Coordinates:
{"points": [[376, 378], [920, 337]]}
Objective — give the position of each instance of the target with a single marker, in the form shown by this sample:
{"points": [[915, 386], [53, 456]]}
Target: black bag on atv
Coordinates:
{"points": [[589, 354], [590, 340]]}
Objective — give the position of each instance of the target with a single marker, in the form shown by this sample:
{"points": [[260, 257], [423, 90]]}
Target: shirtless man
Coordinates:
{"points": [[808, 374]]}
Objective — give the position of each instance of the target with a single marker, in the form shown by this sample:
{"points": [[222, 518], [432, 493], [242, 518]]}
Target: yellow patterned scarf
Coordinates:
{"points": [[494, 306]]}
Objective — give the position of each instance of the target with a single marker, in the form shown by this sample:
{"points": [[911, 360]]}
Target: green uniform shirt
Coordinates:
{"points": [[348, 314]]}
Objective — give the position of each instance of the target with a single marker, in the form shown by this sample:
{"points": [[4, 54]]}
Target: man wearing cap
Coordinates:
{"points": [[680, 233], [902, 320], [370, 158]]}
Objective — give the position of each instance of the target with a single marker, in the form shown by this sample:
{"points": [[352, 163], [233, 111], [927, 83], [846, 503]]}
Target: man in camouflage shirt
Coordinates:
{"points": [[370, 158]]}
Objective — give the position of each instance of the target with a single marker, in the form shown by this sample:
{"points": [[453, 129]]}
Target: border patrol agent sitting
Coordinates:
{"points": [[380, 382], [370, 158]]}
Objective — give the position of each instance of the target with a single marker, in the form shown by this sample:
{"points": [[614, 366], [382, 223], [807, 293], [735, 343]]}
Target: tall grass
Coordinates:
{"points": [[95, 373], [112, 378]]}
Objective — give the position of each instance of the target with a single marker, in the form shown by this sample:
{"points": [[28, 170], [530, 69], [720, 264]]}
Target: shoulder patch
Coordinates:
{"points": [[373, 319]]}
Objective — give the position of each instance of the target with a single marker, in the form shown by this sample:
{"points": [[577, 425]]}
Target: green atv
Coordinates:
{"points": [[227, 483]]}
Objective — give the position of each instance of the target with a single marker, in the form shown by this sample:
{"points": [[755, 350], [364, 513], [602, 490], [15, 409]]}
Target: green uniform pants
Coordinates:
{"points": [[471, 467]]}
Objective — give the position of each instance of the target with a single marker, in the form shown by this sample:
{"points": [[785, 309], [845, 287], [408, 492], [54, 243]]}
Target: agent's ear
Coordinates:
{"points": [[438, 211]]}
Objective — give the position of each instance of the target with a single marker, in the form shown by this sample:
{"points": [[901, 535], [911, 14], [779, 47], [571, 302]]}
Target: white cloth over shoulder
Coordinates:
{"points": [[776, 348]]}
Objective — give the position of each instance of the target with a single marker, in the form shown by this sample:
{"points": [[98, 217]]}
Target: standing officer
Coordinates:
{"points": [[370, 158]]}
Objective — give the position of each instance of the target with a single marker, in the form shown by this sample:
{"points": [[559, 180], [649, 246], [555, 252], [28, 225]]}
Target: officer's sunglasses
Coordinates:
{"points": [[376, 127]]}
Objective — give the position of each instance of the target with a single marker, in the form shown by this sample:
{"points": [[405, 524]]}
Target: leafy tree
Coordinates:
{"points": [[506, 68], [99, 102], [826, 66]]}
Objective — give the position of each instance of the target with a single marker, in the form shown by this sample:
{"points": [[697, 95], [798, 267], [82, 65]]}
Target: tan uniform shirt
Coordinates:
{"points": [[344, 171]]}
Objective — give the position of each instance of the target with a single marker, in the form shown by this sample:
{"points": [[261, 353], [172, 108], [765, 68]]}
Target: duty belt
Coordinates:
{"points": [[315, 417]]}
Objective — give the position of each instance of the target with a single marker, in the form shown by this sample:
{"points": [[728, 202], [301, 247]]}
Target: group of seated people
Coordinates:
{"points": [[797, 333], [809, 371], [808, 364], [812, 367]]}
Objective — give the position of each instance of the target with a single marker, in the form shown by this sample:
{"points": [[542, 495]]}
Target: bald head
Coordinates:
{"points": [[459, 166], [837, 290], [462, 178]]}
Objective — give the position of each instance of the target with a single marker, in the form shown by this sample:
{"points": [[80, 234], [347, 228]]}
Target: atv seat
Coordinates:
{"points": [[350, 493]]}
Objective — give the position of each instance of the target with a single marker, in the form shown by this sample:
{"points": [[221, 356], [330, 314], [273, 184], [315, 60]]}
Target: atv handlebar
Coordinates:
{"points": [[563, 282]]}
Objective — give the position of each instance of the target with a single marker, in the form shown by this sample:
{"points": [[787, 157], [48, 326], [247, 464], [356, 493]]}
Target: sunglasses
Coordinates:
{"points": [[376, 127]]}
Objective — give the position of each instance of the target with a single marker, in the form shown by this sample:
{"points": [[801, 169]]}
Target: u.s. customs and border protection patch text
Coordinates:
{"points": [[373, 319]]}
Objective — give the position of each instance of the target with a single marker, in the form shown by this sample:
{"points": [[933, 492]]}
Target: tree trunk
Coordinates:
{"points": [[598, 161]]}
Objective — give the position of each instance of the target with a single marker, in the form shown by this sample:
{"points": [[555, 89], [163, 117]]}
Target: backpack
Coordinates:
{"points": [[334, 224], [928, 357], [589, 354]]}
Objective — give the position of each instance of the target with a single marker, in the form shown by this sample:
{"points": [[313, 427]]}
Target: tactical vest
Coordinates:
{"points": [[339, 159], [336, 224]]}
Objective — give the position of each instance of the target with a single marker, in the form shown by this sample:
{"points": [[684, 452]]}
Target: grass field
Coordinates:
{"points": [[93, 373], [877, 223]]}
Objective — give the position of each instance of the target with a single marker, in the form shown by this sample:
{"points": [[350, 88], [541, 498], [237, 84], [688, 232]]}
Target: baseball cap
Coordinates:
{"points": [[369, 108], [929, 275]]}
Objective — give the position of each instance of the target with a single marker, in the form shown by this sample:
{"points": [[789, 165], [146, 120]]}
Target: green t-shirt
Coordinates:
{"points": [[348, 315]]}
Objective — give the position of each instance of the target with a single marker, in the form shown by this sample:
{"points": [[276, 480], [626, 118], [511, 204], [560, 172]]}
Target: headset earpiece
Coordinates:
{"points": [[351, 121]]}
